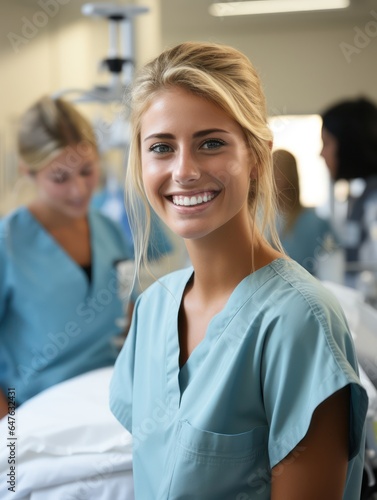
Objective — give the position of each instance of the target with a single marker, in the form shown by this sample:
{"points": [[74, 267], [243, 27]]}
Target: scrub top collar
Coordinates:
{"points": [[179, 378], [51, 246]]}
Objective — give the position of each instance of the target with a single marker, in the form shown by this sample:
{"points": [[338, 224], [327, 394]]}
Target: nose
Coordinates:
{"points": [[186, 168], [78, 187]]}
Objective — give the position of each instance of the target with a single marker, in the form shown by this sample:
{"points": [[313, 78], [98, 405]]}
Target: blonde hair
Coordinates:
{"points": [[224, 76], [288, 186], [49, 126]]}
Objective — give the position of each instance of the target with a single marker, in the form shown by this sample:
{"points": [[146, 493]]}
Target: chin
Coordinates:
{"points": [[76, 212], [193, 234]]}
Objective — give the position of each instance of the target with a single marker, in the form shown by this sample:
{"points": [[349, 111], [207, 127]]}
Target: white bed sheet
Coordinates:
{"points": [[69, 446]]}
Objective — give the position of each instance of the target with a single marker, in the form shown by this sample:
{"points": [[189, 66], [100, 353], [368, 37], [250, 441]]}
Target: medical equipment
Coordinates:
{"points": [[112, 131]]}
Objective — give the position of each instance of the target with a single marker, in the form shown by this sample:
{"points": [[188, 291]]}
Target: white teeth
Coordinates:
{"points": [[192, 200]]}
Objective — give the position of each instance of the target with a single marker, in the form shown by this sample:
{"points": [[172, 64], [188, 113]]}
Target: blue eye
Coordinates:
{"points": [[160, 148], [213, 144]]}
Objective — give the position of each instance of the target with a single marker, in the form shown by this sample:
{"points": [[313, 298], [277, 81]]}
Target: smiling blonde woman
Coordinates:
{"points": [[238, 379]]}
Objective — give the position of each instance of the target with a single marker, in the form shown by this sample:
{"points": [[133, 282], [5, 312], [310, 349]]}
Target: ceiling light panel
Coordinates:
{"points": [[273, 7]]}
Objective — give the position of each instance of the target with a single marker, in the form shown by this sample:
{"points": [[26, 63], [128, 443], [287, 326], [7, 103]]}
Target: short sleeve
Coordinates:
{"points": [[308, 356], [121, 385]]}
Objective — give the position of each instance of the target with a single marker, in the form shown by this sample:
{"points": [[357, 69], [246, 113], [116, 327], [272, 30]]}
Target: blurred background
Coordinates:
{"points": [[307, 61]]}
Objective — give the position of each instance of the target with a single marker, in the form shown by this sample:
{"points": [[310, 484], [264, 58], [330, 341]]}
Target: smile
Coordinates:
{"points": [[190, 201]]}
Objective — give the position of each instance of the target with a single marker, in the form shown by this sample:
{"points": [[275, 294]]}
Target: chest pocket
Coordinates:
{"points": [[212, 466]]}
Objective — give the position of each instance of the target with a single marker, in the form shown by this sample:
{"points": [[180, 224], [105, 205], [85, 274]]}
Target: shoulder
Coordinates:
{"points": [[292, 277], [15, 219], [106, 227], [17, 226], [303, 326], [102, 221], [293, 295], [300, 315]]}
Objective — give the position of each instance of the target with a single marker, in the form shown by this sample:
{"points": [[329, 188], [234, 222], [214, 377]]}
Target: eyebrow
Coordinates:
{"points": [[200, 133]]}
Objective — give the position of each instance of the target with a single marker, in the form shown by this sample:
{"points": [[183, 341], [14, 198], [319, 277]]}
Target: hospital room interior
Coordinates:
{"points": [[59, 439]]}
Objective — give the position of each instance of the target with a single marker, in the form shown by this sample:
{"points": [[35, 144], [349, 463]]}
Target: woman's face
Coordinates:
{"points": [[67, 183], [329, 152], [196, 166]]}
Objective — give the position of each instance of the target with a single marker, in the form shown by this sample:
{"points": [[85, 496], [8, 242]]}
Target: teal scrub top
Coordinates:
{"points": [[54, 323], [310, 237], [214, 429]]}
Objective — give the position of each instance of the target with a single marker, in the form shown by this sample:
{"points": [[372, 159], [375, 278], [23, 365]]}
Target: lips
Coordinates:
{"points": [[78, 204], [193, 200]]}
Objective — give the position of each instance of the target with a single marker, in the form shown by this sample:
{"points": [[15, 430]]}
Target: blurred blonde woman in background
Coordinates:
{"points": [[238, 378], [306, 237], [58, 287]]}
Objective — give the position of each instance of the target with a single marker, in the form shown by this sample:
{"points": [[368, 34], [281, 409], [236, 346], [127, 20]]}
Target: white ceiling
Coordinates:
{"points": [[194, 13], [182, 15]]}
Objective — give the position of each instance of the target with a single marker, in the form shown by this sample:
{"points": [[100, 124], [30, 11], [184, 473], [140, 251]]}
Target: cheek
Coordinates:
{"points": [[93, 181], [330, 154], [151, 179], [52, 190], [151, 192]]}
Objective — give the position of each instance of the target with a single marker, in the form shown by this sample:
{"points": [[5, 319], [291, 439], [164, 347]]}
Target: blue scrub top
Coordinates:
{"points": [[310, 237], [54, 323], [215, 428]]}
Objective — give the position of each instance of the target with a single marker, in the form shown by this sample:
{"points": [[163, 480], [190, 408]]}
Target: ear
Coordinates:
{"points": [[254, 172]]}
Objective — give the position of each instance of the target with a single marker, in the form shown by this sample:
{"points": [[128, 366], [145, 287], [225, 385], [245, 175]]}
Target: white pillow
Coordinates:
{"points": [[69, 418]]}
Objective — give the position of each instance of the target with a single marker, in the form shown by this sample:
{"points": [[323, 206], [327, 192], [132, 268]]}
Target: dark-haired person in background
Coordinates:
{"points": [[349, 135]]}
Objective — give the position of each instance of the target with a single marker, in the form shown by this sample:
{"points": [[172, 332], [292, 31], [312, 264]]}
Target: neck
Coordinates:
{"points": [[225, 258], [54, 220]]}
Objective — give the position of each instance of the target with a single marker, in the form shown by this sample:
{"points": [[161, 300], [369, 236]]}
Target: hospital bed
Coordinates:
{"points": [[69, 446]]}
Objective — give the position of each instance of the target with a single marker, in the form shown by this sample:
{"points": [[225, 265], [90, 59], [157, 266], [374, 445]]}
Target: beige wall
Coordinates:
{"points": [[302, 64], [302, 60]]}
